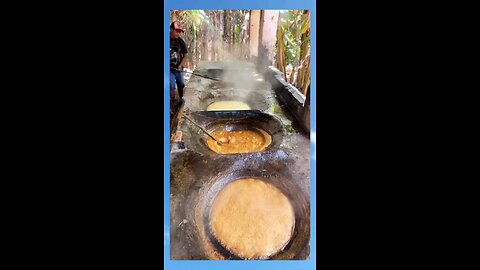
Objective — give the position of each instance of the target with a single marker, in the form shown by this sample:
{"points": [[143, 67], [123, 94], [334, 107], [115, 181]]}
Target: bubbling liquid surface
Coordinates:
{"points": [[252, 219], [228, 105], [239, 141]]}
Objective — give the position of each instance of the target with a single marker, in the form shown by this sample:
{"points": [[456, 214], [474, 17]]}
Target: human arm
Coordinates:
{"points": [[184, 60]]}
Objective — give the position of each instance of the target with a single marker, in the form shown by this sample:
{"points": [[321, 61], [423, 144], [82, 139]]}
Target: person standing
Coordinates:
{"points": [[178, 56]]}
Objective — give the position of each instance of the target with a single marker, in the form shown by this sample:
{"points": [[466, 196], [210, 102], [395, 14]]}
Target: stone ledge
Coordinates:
{"points": [[290, 96]]}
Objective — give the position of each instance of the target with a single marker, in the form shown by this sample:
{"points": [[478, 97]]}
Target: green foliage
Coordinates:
{"points": [[195, 17], [293, 25], [305, 24], [199, 18], [275, 108], [289, 129], [236, 32]]}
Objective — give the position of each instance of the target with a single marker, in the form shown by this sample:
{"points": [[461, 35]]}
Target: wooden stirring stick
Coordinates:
{"points": [[188, 118]]}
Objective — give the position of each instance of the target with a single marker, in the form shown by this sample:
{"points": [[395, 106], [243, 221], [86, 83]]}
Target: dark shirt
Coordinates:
{"points": [[178, 45]]}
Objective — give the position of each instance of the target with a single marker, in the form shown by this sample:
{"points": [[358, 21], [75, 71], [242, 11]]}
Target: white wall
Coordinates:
{"points": [[254, 32], [270, 26]]}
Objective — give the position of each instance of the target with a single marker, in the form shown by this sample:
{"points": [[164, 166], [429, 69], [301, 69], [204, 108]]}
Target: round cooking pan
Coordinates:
{"points": [[299, 202], [195, 139], [256, 100], [195, 182]]}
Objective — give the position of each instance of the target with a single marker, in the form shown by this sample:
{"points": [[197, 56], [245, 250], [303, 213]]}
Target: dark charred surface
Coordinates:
{"points": [[198, 173]]}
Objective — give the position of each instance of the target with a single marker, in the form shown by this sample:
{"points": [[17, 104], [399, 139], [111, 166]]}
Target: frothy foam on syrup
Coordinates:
{"points": [[239, 141], [252, 218], [228, 105]]}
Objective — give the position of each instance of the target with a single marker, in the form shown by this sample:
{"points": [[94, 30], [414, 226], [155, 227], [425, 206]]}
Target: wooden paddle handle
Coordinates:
{"points": [[201, 129]]}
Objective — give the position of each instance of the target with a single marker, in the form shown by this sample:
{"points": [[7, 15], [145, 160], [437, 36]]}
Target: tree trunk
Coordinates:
{"points": [[281, 51], [188, 41], [234, 35], [217, 36], [242, 34], [304, 51], [226, 31], [197, 51], [208, 37], [306, 83], [247, 36], [221, 34], [293, 28], [204, 43], [292, 75], [215, 27], [220, 37]]}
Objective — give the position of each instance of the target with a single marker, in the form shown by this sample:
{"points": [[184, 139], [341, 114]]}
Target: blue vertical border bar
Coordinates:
{"points": [[313, 132], [166, 133], [235, 5]]}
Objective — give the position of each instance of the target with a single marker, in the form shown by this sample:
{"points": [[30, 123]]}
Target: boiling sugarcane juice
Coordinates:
{"points": [[228, 105], [239, 141]]}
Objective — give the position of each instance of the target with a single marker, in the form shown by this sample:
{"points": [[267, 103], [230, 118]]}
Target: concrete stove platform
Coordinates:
{"points": [[197, 175]]}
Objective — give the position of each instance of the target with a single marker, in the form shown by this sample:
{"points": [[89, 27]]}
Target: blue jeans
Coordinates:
{"points": [[176, 77]]}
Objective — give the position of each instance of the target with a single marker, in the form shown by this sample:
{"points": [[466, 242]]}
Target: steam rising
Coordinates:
{"points": [[240, 78]]}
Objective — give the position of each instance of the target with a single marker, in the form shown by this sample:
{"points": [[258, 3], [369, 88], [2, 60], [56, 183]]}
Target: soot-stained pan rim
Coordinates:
{"points": [[222, 183], [234, 114]]}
